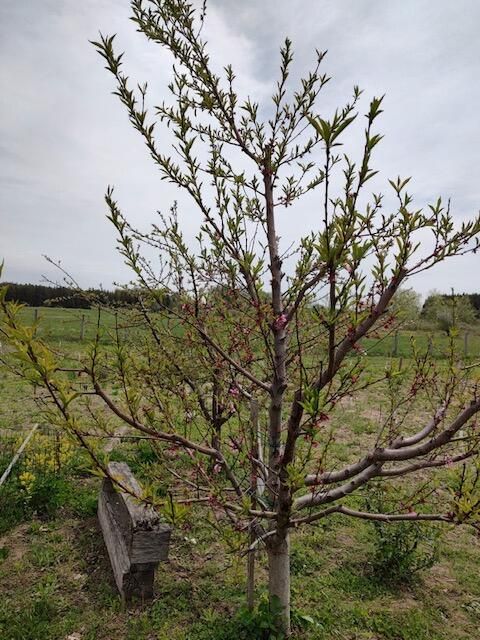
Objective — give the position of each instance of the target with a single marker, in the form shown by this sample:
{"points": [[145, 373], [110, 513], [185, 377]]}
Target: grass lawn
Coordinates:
{"points": [[56, 583]]}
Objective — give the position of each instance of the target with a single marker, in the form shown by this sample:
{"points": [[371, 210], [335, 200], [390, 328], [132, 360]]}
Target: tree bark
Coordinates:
{"points": [[279, 578]]}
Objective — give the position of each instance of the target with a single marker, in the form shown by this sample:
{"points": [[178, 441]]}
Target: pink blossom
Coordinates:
{"points": [[281, 321], [217, 468], [234, 391]]}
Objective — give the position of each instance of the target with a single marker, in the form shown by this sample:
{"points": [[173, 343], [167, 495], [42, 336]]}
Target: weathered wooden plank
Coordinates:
{"points": [[139, 581], [117, 550], [143, 517], [150, 546], [136, 540]]}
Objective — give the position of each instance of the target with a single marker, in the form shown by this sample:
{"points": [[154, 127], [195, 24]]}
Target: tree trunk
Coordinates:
{"points": [[279, 578]]}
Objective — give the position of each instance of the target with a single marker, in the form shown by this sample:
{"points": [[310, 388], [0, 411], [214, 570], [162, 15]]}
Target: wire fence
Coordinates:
{"points": [[403, 344], [80, 326]]}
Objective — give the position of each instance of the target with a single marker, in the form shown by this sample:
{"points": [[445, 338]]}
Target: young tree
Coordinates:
{"points": [[406, 306], [238, 383]]}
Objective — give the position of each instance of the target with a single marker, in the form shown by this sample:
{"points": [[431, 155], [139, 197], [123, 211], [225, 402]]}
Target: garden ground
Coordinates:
{"points": [[56, 584]]}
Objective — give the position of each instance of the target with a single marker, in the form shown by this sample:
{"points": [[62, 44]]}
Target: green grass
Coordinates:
{"points": [[435, 341], [55, 579]]}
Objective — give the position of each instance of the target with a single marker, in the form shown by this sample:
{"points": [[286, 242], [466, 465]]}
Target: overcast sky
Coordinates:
{"points": [[64, 137]]}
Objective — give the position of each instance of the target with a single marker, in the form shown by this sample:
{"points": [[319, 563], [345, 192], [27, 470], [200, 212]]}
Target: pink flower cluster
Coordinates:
{"points": [[280, 322], [234, 391]]}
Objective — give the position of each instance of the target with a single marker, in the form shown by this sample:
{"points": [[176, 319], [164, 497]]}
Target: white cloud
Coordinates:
{"points": [[64, 137]]}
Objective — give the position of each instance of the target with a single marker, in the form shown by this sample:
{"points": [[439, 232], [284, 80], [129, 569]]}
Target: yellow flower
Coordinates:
{"points": [[27, 480], [46, 453]]}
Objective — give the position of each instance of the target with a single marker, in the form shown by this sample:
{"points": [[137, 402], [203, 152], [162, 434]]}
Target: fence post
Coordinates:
{"points": [[82, 328], [430, 346], [35, 319], [395, 344], [135, 538]]}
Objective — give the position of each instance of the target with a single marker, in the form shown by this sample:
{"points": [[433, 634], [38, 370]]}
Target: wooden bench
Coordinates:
{"points": [[135, 538]]}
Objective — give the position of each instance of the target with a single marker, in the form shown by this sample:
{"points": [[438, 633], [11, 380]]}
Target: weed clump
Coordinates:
{"points": [[43, 481], [401, 550]]}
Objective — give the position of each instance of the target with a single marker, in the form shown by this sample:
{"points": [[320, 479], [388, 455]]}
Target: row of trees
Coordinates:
{"points": [[239, 394], [35, 295]]}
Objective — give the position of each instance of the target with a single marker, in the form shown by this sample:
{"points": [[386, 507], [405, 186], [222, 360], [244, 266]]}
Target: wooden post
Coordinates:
{"points": [[35, 319], [395, 344], [82, 328], [135, 538]]}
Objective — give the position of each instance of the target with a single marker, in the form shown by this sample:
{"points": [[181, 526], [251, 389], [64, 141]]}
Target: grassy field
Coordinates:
{"points": [[69, 326], [56, 584], [65, 326]]}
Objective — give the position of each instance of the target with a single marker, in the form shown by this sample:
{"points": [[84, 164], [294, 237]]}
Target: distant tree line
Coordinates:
{"points": [[36, 295], [437, 308]]}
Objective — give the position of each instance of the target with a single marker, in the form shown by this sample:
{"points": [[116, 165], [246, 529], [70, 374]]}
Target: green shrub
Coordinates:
{"points": [[403, 549], [52, 492], [259, 624], [400, 549], [12, 510], [47, 477], [49, 493]]}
